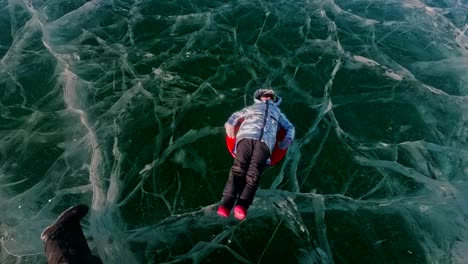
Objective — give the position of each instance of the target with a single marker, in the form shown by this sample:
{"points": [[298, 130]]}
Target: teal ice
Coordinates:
{"points": [[120, 105]]}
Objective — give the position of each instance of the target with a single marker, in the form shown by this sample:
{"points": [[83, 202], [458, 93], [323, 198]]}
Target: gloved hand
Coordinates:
{"points": [[286, 143], [230, 130]]}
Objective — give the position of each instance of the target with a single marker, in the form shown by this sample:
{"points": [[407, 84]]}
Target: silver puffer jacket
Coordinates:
{"points": [[261, 121]]}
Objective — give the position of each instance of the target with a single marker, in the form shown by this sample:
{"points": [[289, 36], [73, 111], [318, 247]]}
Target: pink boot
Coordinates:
{"points": [[240, 212], [224, 211]]}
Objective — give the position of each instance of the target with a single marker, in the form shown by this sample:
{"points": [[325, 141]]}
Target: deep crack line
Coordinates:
{"points": [[96, 156], [70, 80]]}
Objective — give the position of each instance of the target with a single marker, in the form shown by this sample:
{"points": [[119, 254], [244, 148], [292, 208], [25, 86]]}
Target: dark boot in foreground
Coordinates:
{"points": [[64, 240]]}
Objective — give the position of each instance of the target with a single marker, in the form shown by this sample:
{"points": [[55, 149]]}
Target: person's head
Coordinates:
{"points": [[265, 95]]}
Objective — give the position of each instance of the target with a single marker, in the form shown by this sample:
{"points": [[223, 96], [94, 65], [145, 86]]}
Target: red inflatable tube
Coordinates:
{"points": [[277, 155]]}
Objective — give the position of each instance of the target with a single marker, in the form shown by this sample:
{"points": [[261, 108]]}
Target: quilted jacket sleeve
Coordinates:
{"points": [[239, 115], [290, 130]]}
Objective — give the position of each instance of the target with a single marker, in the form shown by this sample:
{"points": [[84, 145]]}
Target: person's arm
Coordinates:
{"points": [[238, 116], [290, 131], [234, 119]]}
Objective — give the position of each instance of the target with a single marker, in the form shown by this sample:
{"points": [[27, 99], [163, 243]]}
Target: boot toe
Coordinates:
{"points": [[240, 212], [72, 215], [224, 211]]}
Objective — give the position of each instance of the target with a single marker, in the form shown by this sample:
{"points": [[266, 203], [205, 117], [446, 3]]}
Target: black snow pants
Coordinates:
{"points": [[244, 177]]}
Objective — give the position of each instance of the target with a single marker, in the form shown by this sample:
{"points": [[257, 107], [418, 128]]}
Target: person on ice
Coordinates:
{"points": [[255, 142]]}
